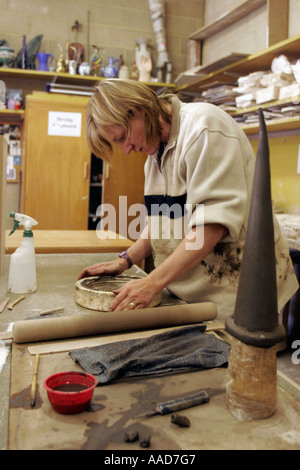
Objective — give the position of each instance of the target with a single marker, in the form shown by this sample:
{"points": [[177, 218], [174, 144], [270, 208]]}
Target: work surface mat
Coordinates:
{"points": [[103, 425]]}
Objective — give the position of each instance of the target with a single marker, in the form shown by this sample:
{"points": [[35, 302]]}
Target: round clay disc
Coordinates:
{"points": [[97, 293]]}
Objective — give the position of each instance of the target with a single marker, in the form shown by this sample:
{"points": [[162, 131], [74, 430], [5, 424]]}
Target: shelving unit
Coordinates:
{"points": [[226, 20], [32, 81], [260, 61], [277, 23], [14, 118], [64, 78], [283, 133], [274, 125], [111, 184]]}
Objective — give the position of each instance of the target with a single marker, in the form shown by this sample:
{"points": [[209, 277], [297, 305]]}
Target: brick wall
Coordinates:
{"points": [[114, 25]]}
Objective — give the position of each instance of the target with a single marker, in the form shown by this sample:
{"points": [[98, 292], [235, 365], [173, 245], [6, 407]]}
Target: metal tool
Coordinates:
{"points": [[178, 404]]}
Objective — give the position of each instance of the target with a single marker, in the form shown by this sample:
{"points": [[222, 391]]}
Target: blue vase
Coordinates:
{"points": [[110, 71], [43, 60]]}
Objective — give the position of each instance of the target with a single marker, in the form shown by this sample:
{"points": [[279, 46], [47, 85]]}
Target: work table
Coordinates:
{"points": [[70, 241], [56, 278], [92, 241], [115, 405]]}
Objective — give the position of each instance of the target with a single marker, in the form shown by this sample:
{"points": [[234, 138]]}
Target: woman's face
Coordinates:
{"points": [[135, 141]]}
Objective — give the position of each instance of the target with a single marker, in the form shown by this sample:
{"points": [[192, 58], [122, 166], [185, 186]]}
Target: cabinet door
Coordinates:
{"points": [[56, 173], [124, 177]]}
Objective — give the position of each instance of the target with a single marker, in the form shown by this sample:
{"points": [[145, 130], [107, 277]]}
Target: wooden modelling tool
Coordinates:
{"points": [[3, 304], [52, 310], [11, 306], [34, 379]]}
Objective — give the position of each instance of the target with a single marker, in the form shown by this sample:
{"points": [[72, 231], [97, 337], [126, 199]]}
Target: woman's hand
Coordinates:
{"points": [[138, 294], [135, 294], [137, 252], [118, 266]]}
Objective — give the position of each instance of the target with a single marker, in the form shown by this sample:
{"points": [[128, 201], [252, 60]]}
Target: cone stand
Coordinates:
{"points": [[251, 390]]}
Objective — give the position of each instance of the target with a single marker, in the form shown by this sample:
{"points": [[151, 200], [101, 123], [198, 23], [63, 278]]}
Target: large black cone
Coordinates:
{"points": [[255, 318]]}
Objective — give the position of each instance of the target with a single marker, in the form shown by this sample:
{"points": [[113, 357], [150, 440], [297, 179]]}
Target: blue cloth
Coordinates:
{"points": [[172, 350]]}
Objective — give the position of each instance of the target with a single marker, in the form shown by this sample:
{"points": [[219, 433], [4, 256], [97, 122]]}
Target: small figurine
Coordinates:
{"points": [[75, 50], [61, 65], [145, 67], [134, 74], [96, 62]]}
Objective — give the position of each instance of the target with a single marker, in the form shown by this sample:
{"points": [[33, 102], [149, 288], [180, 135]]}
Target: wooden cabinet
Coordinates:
{"points": [[56, 167], [124, 177], [61, 188]]}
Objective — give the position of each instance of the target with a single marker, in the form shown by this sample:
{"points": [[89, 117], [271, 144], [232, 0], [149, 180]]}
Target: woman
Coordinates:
{"points": [[198, 180]]}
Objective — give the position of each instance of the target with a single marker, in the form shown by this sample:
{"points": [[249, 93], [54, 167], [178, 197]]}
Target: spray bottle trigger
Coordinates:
{"points": [[16, 225]]}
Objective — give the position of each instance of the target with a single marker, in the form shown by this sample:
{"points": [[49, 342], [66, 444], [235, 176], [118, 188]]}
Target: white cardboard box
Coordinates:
{"points": [[289, 91], [270, 93]]}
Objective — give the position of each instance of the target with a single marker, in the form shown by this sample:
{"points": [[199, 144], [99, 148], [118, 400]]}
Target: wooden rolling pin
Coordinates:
{"points": [[95, 323]]}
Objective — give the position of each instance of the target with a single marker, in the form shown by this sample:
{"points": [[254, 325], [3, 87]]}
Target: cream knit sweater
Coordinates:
{"points": [[207, 169]]}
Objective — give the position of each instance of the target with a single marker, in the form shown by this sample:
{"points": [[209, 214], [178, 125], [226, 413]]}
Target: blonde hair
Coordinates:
{"points": [[114, 102]]}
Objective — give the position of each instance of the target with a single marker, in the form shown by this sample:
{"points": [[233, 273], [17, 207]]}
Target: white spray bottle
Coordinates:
{"points": [[22, 269]]}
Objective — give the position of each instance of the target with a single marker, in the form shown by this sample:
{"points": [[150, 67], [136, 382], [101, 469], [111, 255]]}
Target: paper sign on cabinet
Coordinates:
{"points": [[64, 124]]}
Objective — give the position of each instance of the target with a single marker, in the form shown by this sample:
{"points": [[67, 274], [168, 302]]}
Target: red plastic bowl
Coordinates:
{"points": [[70, 392]]}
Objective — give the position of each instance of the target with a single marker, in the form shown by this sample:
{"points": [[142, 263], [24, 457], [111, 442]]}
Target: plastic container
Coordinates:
{"points": [[2, 95], [22, 269], [70, 392]]}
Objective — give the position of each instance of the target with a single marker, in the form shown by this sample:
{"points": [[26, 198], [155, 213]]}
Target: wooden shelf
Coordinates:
{"points": [[64, 78], [268, 105], [274, 125], [11, 116], [277, 24], [260, 61], [226, 20]]}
